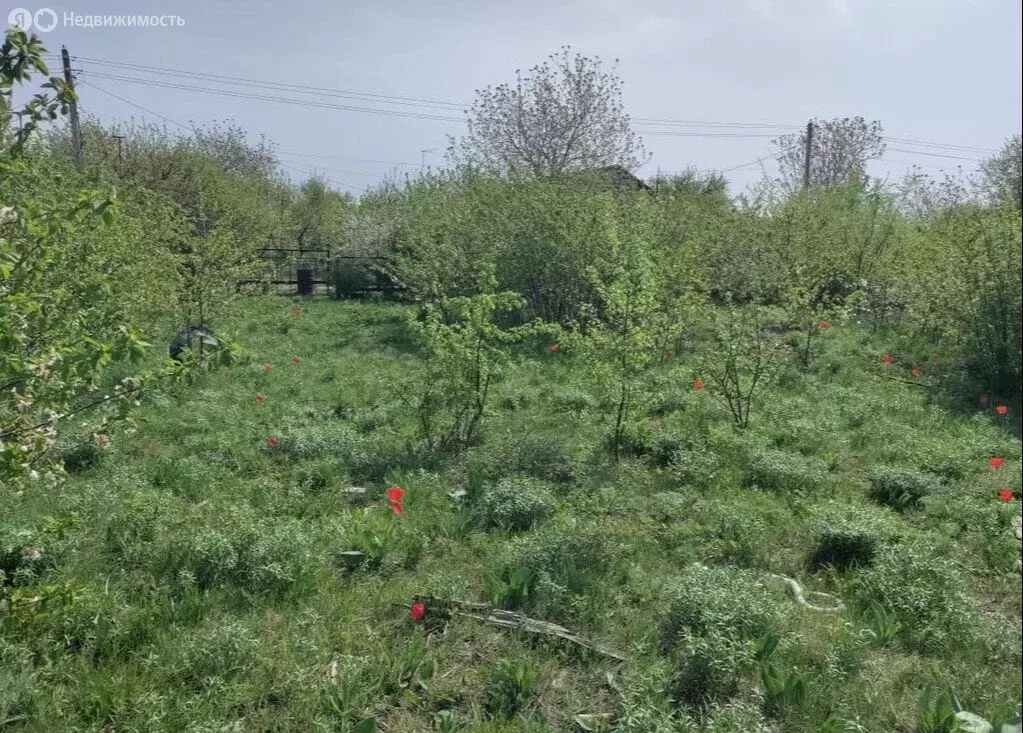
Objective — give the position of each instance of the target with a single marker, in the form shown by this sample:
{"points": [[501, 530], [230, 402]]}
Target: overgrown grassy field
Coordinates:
{"points": [[191, 579]]}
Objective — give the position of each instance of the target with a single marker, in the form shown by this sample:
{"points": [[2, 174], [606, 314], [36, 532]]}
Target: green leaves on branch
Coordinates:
{"points": [[743, 361], [464, 355]]}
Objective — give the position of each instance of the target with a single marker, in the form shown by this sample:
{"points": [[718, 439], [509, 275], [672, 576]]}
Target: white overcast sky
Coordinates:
{"points": [[937, 71]]}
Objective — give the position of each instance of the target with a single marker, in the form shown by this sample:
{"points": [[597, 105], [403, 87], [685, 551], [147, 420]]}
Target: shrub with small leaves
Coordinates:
{"points": [[924, 591], [727, 601], [550, 570], [900, 488], [515, 505], [781, 471], [510, 687], [847, 535], [710, 667]]}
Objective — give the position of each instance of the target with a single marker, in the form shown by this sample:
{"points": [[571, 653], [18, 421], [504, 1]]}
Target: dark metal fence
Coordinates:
{"points": [[308, 271]]}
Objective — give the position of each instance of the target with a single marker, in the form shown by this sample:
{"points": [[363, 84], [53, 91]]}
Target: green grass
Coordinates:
{"points": [[206, 591]]}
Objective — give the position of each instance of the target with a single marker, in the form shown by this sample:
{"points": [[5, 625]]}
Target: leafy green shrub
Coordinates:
{"points": [[665, 445], [781, 471], [464, 354], [515, 505], [61, 329], [900, 488], [635, 440], [318, 476], [710, 667], [740, 538], [964, 282], [668, 505], [726, 601], [573, 400], [273, 557], [924, 591], [848, 535], [543, 454], [83, 457], [742, 362], [551, 570], [210, 656], [336, 441], [693, 465], [511, 684]]}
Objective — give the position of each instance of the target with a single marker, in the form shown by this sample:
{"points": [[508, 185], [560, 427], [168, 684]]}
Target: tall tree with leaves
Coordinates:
{"points": [[56, 342], [563, 115], [839, 150], [1002, 173]]}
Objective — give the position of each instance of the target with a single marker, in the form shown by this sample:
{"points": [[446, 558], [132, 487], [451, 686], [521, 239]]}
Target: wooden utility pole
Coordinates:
{"points": [[120, 156], [806, 160], [422, 160], [76, 125]]}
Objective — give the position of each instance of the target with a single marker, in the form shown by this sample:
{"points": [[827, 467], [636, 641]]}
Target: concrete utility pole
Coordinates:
{"points": [[76, 125], [809, 148]]}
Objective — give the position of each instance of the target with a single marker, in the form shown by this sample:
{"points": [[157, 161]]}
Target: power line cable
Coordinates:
{"points": [[946, 146], [394, 113], [934, 155], [204, 76], [268, 98], [234, 80], [394, 99], [342, 157], [137, 106], [672, 133], [307, 174]]}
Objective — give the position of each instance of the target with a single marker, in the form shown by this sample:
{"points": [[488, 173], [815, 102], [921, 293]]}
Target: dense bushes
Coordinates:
{"points": [[515, 505], [839, 253], [925, 592]]}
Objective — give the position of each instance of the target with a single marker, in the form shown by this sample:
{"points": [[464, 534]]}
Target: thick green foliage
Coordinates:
{"points": [[901, 488], [515, 505], [463, 353]]}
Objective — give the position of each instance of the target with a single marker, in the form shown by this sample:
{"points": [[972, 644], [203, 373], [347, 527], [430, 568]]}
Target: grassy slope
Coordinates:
{"points": [[211, 594]]}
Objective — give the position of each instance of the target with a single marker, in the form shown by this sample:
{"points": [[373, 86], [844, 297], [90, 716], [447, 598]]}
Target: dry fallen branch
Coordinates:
{"points": [[922, 385], [512, 620], [436, 607]]}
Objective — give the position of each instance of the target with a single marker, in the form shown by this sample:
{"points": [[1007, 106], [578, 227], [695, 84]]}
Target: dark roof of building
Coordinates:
{"points": [[623, 178]]}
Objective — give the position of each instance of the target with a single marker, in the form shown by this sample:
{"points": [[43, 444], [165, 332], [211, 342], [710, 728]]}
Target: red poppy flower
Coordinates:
{"points": [[697, 385], [996, 462], [395, 493], [267, 368], [888, 359], [1005, 495], [1001, 409], [396, 507], [825, 325], [273, 442], [296, 360], [915, 372], [983, 399], [554, 348], [417, 612], [296, 312], [260, 398]]}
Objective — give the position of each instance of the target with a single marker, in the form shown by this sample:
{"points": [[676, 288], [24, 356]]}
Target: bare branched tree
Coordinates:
{"points": [[564, 115], [1002, 174], [922, 196], [840, 149]]}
